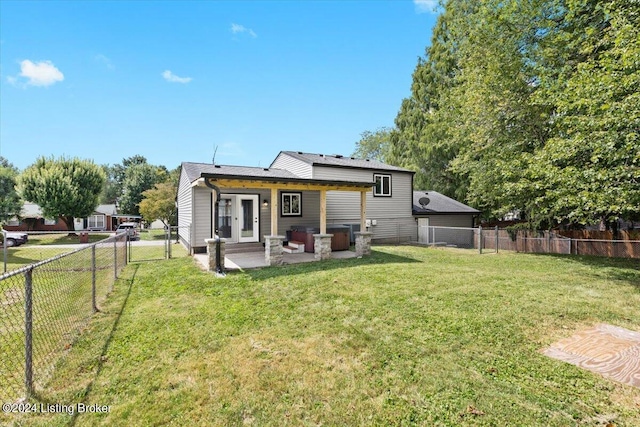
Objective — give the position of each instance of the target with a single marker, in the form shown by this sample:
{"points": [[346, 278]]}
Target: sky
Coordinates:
{"points": [[106, 80]]}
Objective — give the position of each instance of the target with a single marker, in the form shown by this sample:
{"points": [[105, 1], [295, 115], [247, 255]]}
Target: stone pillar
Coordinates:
{"points": [[273, 253], [322, 246], [211, 253], [363, 243]]}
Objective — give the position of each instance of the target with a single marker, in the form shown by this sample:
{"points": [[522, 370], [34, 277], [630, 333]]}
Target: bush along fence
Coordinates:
{"points": [[45, 305], [492, 240]]}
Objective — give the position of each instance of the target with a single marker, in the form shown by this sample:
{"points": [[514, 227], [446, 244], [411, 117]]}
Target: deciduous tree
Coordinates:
{"points": [[64, 187]]}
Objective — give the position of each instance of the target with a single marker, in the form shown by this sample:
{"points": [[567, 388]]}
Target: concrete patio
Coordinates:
{"points": [[248, 260]]}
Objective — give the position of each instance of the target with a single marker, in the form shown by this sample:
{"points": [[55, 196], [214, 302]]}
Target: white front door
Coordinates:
{"points": [[247, 214]]}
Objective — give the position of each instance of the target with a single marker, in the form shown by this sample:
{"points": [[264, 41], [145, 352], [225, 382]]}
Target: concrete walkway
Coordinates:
{"points": [[243, 261]]}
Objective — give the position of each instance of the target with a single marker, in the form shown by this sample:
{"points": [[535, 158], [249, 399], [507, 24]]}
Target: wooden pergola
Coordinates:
{"points": [[301, 184]]}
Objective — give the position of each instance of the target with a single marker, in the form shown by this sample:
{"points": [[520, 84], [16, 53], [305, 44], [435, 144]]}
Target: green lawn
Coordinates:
{"points": [[407, 336]]}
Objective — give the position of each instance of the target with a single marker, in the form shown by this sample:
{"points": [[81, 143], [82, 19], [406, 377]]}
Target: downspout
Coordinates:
{"points": [[215, 226]]}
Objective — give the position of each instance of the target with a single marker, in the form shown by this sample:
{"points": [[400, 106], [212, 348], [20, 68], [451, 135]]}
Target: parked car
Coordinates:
{"points": [[15, 238], [131, 228]]}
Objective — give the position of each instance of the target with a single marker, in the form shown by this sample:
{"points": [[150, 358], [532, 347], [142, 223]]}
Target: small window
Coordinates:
{"points": [[291, 204], [383, 185], [50, 221]]}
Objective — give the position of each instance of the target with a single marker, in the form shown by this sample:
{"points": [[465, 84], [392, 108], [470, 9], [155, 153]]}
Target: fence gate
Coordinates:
{"points": [[151, 245]]}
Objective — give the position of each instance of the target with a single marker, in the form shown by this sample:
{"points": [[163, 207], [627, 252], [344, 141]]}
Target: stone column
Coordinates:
{"points": [[322, 246], [363, 243], [211, 253], [273, 253]]}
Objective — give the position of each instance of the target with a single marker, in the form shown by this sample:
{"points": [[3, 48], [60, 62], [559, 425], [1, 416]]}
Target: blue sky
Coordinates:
{"points": [[172, 80]]}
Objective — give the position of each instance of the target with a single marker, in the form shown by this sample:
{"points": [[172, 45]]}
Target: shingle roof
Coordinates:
{"points": [[337, 160], [439, 204], [195, 171]]}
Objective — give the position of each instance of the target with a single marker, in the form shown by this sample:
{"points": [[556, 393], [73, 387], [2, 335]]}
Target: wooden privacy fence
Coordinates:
{"points": [[554, 242]]}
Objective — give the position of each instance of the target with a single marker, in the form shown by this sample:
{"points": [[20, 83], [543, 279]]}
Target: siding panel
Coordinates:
{"points": [[185, 212], [298, 167]]}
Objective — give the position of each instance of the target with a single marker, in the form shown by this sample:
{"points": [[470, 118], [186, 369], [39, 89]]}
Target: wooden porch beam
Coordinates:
{"points": [[274, 211], [255, 184], [323, 211], [363, 210]]}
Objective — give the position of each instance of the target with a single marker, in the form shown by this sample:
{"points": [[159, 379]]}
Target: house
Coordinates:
{"points": [[104, 218], [315, 192], [305, 197], [432, 209], [32, 219]]}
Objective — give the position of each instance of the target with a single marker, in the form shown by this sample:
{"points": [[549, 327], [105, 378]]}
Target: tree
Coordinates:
{"points": [[374, 145], [139, 178], [10, 202], [159, 203], [65, 188]]}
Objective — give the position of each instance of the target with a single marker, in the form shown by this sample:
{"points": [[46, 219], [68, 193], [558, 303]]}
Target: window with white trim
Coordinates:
{"points": [[95, 221], [383, 185]]}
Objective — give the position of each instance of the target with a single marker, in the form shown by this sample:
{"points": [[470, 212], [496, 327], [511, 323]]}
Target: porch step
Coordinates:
{"points": [[296, 244], [238, 248], [294, 247]]}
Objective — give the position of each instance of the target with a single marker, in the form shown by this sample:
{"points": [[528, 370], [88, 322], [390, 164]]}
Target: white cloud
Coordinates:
{"points": [[170, 77], [104, 60], [42, 73], [239, 29], [425, 6]]}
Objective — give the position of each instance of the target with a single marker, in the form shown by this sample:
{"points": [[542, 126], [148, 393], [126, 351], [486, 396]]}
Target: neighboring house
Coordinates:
{"points": [[432, 209], [32, 219], [104, 218], [323, 192]]}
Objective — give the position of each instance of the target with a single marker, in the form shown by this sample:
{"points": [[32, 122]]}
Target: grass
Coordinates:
{"points": [[407, 336], [63, 238]]}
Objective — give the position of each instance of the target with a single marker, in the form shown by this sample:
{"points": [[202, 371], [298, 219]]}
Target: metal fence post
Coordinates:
{"points": [[28, 331], [93, 278], [169, 240], [497, 239], [480, 239], [115, 258], [4, 249]]}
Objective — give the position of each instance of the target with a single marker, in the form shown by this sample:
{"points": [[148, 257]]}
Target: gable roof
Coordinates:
{"points": [[196, 170], [337, 160], [439, 204]]}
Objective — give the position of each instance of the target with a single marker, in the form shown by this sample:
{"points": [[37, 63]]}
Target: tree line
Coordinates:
{"points": [[69, 188], [526, 106]]}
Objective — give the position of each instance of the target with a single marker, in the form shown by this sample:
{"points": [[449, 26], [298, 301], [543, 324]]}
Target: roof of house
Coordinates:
{"points": [[108, 209], [196, 170], [432, 202], [31, 210], [337, 160]]}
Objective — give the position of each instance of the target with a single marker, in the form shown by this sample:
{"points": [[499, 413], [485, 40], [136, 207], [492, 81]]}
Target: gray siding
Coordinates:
{"points": [[393, 215], [185, 211], [450, 220], [298, 167], [201, 226]]}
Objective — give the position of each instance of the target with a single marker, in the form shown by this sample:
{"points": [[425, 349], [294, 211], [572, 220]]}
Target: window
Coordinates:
{"points": [[50, 221], [383, 185], [291, 204], [95, 221]]}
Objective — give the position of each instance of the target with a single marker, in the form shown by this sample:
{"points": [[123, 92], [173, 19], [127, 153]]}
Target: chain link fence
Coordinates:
{"points": [[45, 305], [493, 240]]}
